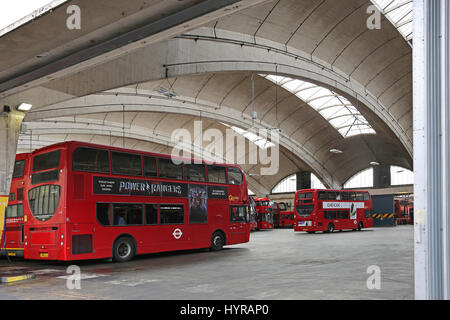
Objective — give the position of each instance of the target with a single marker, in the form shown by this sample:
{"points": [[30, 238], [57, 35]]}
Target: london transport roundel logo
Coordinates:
{"points": [[354, 222], [177, 234]]}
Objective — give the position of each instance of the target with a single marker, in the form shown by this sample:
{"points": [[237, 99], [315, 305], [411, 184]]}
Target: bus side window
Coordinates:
{"points": [[345, 195], [127, 214], [90, 160], [195, 172], [126, 163], [151, 214], [171, 214], [331, 195], [322, 195], [234, 176], [150, 167], [238, 214], [217, 174], [103, 213], [170, 170]]}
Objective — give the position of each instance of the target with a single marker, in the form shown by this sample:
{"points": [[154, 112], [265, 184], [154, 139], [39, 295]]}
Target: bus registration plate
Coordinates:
{"points": [[44, 255]]}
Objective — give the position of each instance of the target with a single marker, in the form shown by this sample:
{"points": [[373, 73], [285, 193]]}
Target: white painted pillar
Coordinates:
{"points": [[9, 134], [431, 148]]}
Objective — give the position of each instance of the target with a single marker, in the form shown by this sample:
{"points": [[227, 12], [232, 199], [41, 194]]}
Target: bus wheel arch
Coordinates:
{"points": [[218, 240], [124, 248], [330, 227], [360, 226]]}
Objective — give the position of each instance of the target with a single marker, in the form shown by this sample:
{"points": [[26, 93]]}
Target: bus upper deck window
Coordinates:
{"points": [[46, 161], [19, 169], [90, 160], [170, 170], [234, 176]]}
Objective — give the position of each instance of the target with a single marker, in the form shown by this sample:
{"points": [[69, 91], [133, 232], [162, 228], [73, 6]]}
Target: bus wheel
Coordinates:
{"points": [[217, 241], [331, 227], [123, 249], [360, 226]]}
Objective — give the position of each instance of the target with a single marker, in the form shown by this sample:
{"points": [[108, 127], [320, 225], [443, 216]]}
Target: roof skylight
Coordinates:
{"points": [[336, 109], [259, 141], [400, 13]]}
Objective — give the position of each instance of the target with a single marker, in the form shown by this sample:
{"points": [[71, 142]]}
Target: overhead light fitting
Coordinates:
{"points": [[336, 151], [374, 163], [169, 93], [24, 107]]}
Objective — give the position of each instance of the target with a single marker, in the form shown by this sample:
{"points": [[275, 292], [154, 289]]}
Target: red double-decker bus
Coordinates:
{"points": [[330, 210], [264, 213], [88, 201], [404, 210], [12, 242], [282, 218]]}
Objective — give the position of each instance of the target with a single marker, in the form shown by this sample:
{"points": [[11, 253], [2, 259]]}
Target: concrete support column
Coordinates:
{"points": [[381, 176], [431, 149], [9, 134], [303, 180]]}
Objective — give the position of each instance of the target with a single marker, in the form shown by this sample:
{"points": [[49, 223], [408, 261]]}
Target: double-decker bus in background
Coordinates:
{"points": [[12, 241], [264, 213], [404, 211], [89, 201], [252, 212], [330, 210], [282, 218]]}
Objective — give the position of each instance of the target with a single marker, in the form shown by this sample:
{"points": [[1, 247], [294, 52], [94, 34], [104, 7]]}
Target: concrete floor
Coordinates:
{"points": [[276, 264]]}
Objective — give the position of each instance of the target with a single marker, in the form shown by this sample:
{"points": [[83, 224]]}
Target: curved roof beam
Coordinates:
{"points": [[194, 54], [132, 100], [68, 126]]}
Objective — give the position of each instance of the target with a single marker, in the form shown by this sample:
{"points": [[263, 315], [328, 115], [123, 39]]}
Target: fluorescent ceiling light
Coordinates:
{"points": [[374, 163], [24, 107], [336, 151]]}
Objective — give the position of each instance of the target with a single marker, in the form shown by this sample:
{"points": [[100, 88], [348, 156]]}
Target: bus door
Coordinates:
{"points": [[276, 216], [238, 223]]}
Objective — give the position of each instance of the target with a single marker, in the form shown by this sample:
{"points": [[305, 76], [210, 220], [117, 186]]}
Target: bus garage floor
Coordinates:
{"points": [[276, 264]]}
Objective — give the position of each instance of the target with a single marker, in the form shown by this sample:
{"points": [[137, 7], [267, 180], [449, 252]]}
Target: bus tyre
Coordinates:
{"points": [[217, 241], [123, 250], [360, 226], [331, 228]]}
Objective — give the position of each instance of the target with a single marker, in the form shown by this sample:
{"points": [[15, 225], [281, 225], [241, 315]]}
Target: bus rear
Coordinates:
{"points": [[46, 206], [330, 210], [13, 236]]}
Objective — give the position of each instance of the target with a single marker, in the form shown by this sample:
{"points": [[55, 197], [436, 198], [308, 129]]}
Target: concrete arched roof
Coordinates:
{"points": [[324, 42]]}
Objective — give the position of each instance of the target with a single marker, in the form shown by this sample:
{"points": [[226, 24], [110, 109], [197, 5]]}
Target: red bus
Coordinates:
{"points": [[330, 210], [404, 210], [264, 214], [282, 218], [13, 237], [89, 201]]}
